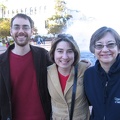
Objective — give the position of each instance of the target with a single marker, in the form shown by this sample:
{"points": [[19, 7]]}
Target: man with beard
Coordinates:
{"points": [[23, 75]]}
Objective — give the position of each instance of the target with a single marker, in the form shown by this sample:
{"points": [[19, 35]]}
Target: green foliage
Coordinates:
{"points": [[2, 5], [57, 23], [60, 6], [35, 31], [56, 29], [4, 27]]}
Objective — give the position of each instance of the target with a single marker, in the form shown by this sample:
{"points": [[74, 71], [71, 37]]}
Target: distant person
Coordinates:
{"points": [[38, 41], [43, 40], [7, 44], [66, 55], [102, 81], [23, 75]]}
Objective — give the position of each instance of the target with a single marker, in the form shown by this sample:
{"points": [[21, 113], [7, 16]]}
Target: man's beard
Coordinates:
{"points": [[24, 42]]}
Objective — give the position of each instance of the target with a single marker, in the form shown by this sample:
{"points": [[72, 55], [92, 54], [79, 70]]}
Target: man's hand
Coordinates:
{"points": [[86, 61]]}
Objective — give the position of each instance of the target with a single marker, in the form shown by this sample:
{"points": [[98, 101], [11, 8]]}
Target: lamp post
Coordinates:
{"points": [[2, 11]]}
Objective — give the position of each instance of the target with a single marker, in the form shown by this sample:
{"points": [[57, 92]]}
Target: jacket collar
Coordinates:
{"points": [[114, 68], [54, 78]]}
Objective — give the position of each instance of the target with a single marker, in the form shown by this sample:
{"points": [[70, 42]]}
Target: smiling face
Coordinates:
{"points": [[64, 55], [106, 55], [21, 31]]}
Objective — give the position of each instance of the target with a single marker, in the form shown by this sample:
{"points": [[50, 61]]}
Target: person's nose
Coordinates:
{"points": [[21, 29], [105, 48], [65, 56]]}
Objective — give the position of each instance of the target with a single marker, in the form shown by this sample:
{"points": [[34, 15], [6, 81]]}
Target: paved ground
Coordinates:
{"points": [[47, 46], [2, 49]]}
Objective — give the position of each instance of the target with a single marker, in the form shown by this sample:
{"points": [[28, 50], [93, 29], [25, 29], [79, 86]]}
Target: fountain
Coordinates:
{"points": [[82, 31]]}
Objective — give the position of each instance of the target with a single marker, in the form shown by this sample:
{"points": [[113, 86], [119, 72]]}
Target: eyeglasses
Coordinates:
{"points": [[109, 46], [25, 28]]}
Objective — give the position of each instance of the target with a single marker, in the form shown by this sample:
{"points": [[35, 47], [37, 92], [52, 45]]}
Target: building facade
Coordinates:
{"points": [[38, 12]]}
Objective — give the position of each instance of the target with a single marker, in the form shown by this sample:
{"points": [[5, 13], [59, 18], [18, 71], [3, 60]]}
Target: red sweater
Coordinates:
{"points": [[63, 80], [26, 104]]}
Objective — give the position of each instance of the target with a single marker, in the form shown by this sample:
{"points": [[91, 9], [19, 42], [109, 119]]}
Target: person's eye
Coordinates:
{"points": [[99, 46], [70, 51], [59, 51], [16, 27], [26, 27], [111, 44]]}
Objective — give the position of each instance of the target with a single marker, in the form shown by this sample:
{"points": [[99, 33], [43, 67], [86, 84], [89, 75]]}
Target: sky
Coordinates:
{"points": [[28, 3], [105, 12]]}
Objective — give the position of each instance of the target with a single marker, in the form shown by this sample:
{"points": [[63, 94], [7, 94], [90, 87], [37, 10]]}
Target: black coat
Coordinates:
{"points": [[103, 91], [41, 61]]}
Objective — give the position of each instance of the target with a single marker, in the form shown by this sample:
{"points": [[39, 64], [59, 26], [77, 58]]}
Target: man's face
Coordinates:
{"points": [[21, 31]]}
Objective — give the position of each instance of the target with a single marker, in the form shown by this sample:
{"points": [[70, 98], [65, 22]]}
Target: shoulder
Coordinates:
{"points": [[51, 67], [82, 64], [90, 77], [90, 69], [41, 54], [52, 70], [4, 57], [90, 72], [81, 68], [38, 49]]}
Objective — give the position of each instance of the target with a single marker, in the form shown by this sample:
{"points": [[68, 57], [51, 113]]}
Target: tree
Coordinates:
{"points": [[57, 23], [4, 28]]}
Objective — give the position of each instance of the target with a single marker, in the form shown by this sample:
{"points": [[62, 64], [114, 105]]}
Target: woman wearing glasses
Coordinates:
{"points": [[102, 81]]}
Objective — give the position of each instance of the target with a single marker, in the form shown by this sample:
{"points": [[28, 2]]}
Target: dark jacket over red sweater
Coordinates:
{"points": [[41, 61]]}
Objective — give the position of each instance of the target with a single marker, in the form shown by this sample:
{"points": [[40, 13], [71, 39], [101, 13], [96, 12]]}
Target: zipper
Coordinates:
{"points": [[106, 84], [105, 95], [105, 90]]}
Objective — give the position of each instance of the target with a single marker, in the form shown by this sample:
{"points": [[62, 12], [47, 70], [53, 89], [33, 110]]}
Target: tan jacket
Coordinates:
{"points": [[61, 103]]}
